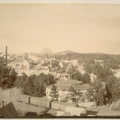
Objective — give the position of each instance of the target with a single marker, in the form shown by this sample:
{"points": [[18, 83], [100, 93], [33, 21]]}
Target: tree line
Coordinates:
{"points": [[34, 85], [7, 76]]}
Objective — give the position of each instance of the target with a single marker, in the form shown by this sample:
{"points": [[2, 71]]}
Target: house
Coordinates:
{"points": [[42, 69], [72, 111], [65, 76], [20, 63], [64, 86], [34, 58], [74, 62], [53, 74], [61, 64], [80, 68], [38, 66], [8, 111]]}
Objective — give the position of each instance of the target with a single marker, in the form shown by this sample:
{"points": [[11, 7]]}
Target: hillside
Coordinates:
{"points": [[65, 52]]}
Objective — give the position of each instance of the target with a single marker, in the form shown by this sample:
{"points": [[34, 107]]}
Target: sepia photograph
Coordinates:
{"points": [[59, 60]]}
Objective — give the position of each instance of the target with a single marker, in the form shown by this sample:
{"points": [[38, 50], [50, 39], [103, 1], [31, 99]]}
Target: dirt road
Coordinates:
{"points": [[10, 95]]}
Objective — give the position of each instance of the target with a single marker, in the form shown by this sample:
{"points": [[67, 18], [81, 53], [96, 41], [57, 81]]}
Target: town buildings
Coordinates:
{"points": [[68, 88]]}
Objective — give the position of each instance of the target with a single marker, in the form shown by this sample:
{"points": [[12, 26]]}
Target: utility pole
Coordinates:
{"points": [[6, 55]]}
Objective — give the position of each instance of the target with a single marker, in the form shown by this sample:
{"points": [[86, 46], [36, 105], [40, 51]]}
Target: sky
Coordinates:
{"points": [[84, 28]]}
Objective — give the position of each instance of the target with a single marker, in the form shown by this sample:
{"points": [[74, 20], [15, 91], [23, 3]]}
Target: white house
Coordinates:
{"points": [[34, 58], [20, 64], [61, 64]]}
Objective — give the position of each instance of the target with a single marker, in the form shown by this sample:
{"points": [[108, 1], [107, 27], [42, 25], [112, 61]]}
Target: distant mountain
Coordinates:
{"points": [[64, 52]]}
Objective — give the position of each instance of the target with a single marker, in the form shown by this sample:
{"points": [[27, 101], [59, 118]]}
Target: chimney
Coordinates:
{"points": [[6, 55]]}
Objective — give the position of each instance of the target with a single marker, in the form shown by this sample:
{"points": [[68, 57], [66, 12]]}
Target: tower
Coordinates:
{"points": [[6, 55]]}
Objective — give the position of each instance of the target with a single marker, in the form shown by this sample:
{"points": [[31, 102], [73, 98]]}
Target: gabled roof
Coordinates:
{"points": [[66, 88], [70, 82], [65, 74], [8, 111], [20, 60], [53, 73]]}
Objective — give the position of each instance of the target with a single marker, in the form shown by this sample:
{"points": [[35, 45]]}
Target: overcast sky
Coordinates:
{"points": [[81, 28]]}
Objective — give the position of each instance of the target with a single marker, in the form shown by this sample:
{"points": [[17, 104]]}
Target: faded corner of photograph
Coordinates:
{"points": [[59, 60]]}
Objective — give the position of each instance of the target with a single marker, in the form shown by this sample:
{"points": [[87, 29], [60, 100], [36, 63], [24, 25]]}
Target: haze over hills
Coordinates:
{"points": [[47, 50], [65, 52], [71, 52]]}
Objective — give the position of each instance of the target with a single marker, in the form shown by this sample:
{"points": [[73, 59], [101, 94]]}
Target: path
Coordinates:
{"points": [[10, 95]]}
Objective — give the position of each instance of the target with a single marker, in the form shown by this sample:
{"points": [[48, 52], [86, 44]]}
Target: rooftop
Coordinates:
{"points": [[70, 82], [65, 74], [19, 60], [66, 88], [8, 111]]}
